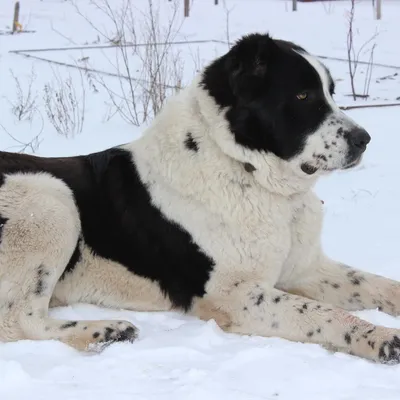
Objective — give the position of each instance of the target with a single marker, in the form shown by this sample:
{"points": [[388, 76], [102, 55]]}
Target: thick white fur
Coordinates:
{"points": [[262, 229]]}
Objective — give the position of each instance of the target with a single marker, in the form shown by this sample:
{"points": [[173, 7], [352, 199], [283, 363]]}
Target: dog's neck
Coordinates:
{"points": [[213, 161]]}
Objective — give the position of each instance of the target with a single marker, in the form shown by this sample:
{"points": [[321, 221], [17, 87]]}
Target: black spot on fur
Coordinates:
{"points": [[71, 324], [319, 330], [96, 335], [74, 259], [30, 314], [259, 300], [276, 299], [310, 333], [190, 143], [355, 281], [108, 333], [40, 284], [329, 321], [305, 307], [10, 305], [347, 338], [389, 351], [275, 325], [249, 167], [371, 344], [129, 334], [354, 329], [245, 309], [85, 328], [300, 310], [120, 223], [335, 285], [2, 223]]}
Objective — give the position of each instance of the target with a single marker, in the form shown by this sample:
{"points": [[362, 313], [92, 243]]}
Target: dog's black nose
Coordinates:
{"points": [[359, 138]]}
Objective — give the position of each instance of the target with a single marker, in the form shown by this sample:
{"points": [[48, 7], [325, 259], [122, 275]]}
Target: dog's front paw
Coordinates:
{"points": [[389, 351]]}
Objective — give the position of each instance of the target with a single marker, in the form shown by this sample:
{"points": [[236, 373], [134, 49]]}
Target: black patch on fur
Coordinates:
{"points": [[108, 333], [276, 299], [259, 300], [76, 257], [10, 305], [305, 307], [190, 143], [335, 285], [40, 284], [258, 80], [120, 223], [96, 335], [390, 350], [128, 334], [249, 167], [70, 324], [371, 344], [347, 338], [3, 221], [310, 334]]}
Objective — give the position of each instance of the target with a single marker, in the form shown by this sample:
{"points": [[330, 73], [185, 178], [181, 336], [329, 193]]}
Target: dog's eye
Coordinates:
{"points": [[302, 96]]}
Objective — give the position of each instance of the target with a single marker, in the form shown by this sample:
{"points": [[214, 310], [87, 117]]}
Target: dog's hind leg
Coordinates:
{"points": [[39, 230]]}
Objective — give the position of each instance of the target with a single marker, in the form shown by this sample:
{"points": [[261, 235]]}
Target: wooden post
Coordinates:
{"points": [[294, 5], [186, 8], [16, 24], [378, 9]]}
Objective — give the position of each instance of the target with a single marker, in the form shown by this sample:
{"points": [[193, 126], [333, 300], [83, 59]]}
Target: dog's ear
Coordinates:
{"points": [[248, 62]]}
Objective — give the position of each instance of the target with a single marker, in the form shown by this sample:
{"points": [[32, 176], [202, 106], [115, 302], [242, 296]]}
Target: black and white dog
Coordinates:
{"points": [[210, 212]]}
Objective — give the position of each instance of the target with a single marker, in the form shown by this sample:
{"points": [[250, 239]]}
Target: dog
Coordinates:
{"points": [[210, 212]]}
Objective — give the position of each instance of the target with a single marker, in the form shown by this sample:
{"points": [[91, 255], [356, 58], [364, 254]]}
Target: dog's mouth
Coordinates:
{"points": [[311, 169]]}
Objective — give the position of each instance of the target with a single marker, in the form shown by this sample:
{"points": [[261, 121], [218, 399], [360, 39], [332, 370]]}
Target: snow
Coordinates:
{"points": [[180, 357]]}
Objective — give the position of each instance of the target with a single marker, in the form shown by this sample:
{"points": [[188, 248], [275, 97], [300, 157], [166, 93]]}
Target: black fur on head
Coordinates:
{"points": [[278, 99], [259, 79]]}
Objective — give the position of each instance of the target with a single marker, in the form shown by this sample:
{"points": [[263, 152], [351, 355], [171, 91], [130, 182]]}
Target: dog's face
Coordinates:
{"points": [[279, 100]]}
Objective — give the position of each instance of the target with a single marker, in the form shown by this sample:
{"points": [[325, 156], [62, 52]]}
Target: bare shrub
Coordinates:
{"points": [[148, 66], [64, 107], [24, 106], [353, 56], [21, 146]]}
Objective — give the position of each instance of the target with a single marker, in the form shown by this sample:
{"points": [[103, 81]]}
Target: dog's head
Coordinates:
{"points": [[278, 100]]}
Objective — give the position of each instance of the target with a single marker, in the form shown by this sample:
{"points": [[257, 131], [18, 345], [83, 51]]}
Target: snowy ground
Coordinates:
{"points": [[178, 357]]}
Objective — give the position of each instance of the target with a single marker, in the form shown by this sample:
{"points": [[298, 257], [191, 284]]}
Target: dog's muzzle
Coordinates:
{"points": [[358, 140]]}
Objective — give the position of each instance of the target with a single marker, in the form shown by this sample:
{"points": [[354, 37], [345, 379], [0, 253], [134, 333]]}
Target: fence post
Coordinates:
{"points": [[16, 24], [186, 8], [378, 9], [294, 5]]}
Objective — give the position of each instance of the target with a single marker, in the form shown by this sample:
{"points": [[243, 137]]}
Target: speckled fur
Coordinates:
{"points": [[260, 227]]}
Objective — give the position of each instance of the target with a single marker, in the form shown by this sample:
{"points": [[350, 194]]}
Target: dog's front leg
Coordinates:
{"points": [[345, 287], [253, 309]]}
